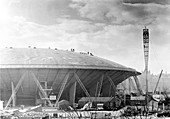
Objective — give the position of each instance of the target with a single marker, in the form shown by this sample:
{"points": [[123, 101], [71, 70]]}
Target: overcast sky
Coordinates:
{"points": [[111, 29]]}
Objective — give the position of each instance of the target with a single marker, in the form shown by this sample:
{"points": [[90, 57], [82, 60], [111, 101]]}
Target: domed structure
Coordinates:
{"points": [[33, 74]]}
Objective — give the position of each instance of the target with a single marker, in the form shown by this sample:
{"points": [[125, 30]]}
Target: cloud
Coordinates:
{"points": [[76, 32], [96, 10], [117, 12], [162, 2], [22, 33], [104, 11], [40, 11], [77, 26]]}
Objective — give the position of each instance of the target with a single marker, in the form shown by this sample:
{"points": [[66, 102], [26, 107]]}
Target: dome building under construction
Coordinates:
{"points": [[31, 76]]}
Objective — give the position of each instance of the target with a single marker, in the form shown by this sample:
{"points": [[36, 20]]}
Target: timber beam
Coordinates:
{"points": [[82, 86], [112, 83], [40, 87], [15, 90], [62, 89], [100, 86]]}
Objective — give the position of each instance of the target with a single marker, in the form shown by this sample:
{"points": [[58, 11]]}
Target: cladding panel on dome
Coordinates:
{"points": [[49, 58]]}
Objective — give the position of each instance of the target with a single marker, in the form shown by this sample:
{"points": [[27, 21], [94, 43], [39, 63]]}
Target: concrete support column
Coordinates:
{"points": [[112, 84], [72, 93], [130, 86], [138, 85], [97, 85], [110, 90], [100, 86], [13, 96]]}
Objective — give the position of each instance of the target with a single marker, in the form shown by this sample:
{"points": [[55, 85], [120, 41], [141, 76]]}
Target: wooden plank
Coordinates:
{"points": [[96, 78], [124, 76], [116, 76], [90, 77]]}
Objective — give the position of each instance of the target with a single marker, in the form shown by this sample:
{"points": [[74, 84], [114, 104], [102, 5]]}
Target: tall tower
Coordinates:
{"points": [[146, 57]]}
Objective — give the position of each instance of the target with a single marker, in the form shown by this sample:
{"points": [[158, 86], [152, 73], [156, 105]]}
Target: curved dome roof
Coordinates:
{"points": [[50, 58], [54, 67]]}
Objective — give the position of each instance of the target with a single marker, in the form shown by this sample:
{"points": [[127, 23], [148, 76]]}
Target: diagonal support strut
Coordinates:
{"points": [[82, 86], [15, 90], [41, 89], [62, 89]]}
